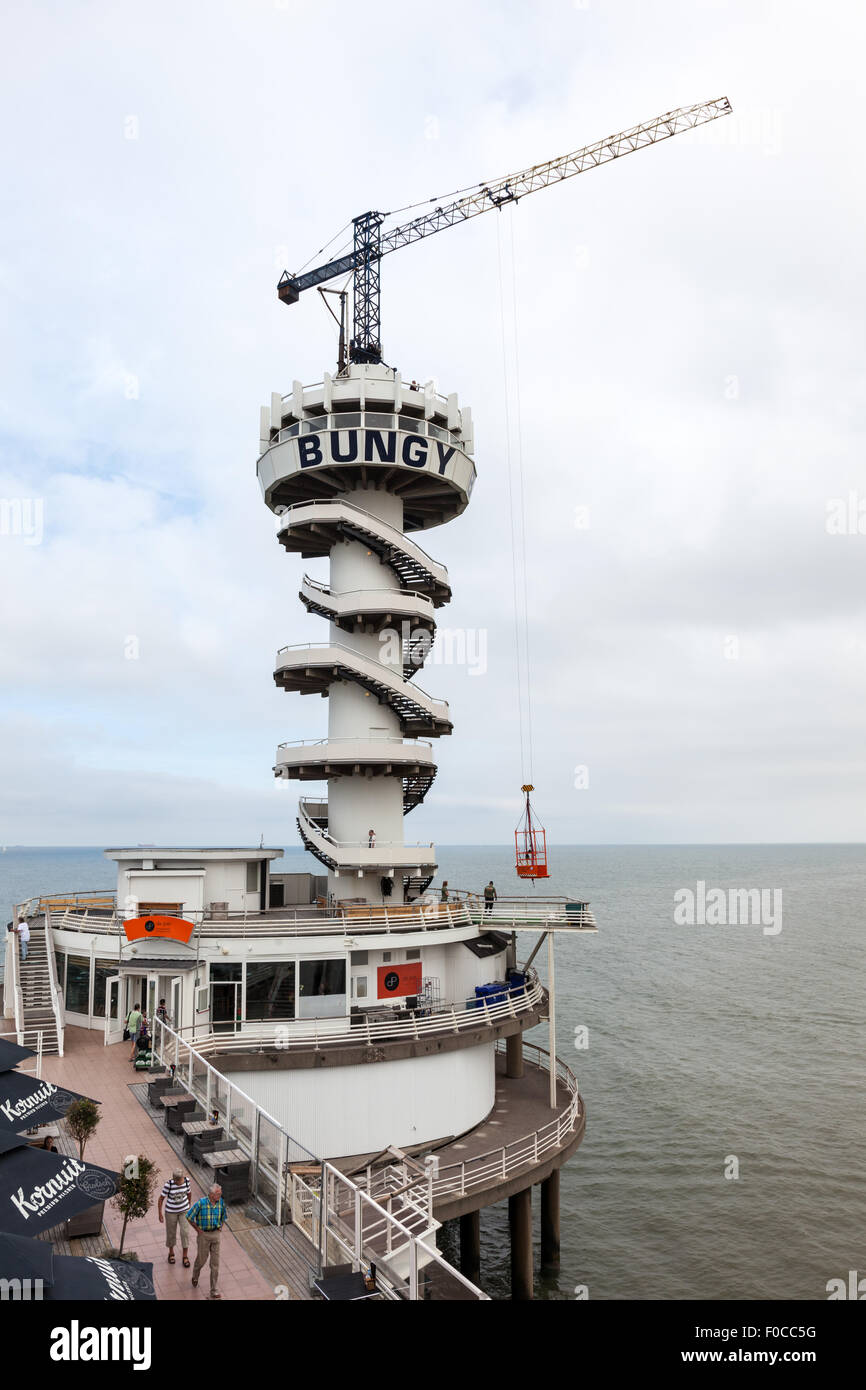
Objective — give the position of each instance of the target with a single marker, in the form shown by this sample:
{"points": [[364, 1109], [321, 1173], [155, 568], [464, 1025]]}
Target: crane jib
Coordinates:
{"points": [[371, 244]]}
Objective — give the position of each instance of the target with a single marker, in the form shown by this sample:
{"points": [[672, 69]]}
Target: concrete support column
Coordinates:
{"points": [[520, 1222], [470, 1246], [514, 1056], [550, 1222]]}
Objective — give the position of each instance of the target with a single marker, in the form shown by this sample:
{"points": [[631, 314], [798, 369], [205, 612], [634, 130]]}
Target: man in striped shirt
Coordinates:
{"points": [[208, 1215], [175, 1198]]}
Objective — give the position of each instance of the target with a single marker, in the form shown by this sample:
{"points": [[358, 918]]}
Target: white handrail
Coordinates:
{"points": [[457, 1017], [57, 1001], [373, 523], [353, 844], [326, 590], [388, 675], [355, 738], [498, 1164]]}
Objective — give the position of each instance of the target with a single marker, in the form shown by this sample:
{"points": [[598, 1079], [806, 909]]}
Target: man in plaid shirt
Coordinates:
{"points": [[208, 1215]]}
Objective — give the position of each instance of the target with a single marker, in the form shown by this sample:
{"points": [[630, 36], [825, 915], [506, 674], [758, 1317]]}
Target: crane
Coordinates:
{"points": [[371, 243]]}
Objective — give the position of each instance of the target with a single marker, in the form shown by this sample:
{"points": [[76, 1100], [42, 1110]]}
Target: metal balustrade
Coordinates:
{"points": [[500, 1164], [303, 1034]]}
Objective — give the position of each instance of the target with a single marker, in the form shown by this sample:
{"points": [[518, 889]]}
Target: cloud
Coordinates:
{"points": [[689, 382]]}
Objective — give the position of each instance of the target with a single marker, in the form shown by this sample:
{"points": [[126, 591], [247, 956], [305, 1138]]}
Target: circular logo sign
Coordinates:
{"points": [[136, 1278], [63, 1099], [392, 981], [96, 1184], [149, 926]]}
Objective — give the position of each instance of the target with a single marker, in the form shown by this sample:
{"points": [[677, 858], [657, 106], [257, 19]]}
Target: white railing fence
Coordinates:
{"points": [[499, 1164], [288, 1182], [243, 1036]]}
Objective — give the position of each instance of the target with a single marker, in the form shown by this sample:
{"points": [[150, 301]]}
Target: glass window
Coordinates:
{"points": [[321, 988], [379, 422], [414, 954], [316, 425], [252, 877], [270, 989], [345, 422], [230, 970], [323, 977], [77, 984], [60, 960], [102, 970], [411, 426], [361, 987]]}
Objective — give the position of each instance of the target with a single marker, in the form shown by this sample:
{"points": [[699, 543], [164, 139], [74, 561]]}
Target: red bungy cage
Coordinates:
{"points": [[530, 843]]}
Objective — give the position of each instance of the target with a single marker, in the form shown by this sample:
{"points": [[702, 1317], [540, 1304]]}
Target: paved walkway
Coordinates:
{"points": [[125, 1128]]}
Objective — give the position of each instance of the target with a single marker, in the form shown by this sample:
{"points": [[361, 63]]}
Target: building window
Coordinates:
{"points": [[359, 957], [361, 987], [270, 989], [252, 878], [60, 961], [322, 988], [414, 954], [102, 970], [77, 984], [386, 956]]}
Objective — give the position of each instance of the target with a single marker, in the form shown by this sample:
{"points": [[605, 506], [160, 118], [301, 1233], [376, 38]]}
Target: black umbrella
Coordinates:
{"points": [[11, 1054], [67, 1278], [39, 1189], [26, 1102]]}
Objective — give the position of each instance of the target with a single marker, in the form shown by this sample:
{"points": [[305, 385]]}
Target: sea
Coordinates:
{"points": [[721, 1063]]}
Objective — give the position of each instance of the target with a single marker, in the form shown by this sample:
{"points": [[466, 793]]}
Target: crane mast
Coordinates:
{"points": [[370, 243]]}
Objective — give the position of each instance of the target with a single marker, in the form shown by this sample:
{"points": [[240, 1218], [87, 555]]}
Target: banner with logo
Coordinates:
{"points": [[397, 980], [163, 928]]}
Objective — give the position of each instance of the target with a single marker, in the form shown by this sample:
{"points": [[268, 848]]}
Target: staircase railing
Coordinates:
{"points": [[57, 1002]]}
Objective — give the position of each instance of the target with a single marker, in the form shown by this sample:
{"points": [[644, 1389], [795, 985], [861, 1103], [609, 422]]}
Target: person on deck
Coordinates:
{"points": [[208, 1215], [23, 936], [133, 1024], [175, 1198], [489, 897], [444, 894]]}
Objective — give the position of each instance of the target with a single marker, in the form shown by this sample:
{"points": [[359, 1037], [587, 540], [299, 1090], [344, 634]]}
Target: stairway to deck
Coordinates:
{"points": [[35, 980]]}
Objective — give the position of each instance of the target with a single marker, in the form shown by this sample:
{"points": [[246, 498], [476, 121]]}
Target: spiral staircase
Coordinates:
{"points": [[348, 484]]}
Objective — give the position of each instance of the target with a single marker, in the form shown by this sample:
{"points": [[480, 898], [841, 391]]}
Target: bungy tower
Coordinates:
{"points": [[354, 468]]}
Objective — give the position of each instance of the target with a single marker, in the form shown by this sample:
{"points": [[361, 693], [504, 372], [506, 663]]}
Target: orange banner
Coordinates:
{"points": [[396, 980], [173, 928]]}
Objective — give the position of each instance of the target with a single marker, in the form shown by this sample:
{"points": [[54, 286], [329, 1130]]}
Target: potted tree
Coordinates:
{"points": [[133, 1198], [82, 1117]]}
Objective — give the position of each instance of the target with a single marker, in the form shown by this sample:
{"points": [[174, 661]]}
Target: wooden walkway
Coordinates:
{"points": [[283, 1256]]}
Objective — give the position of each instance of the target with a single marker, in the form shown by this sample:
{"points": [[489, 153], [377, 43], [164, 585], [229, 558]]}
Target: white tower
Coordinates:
{"points": [[351, 466]]}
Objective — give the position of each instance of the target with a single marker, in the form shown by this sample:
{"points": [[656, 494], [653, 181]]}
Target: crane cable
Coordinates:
{"points": [[517, 543]]}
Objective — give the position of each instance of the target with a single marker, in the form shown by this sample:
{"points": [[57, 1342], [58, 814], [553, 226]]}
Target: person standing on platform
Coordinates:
{"points": [[133, 1024], [489, 897], [208, 1215], [174, 1198], [23, 936]]}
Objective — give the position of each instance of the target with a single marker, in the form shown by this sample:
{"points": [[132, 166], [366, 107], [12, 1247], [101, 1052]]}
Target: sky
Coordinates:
{"points": [[664, 357]]}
